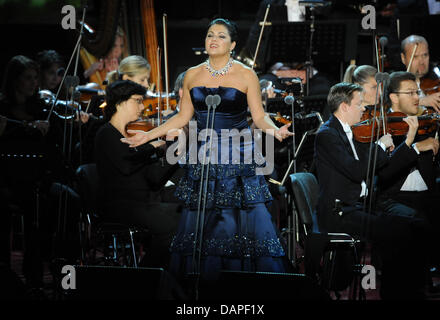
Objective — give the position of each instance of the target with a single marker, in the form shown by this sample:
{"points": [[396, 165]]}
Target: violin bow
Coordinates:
{"points": [[159, 95], [165, 50], [261, 34], [412, 57]]}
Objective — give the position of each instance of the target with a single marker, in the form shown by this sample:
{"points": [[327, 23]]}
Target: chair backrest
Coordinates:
{"points": [[88, 185], [305, 192]]}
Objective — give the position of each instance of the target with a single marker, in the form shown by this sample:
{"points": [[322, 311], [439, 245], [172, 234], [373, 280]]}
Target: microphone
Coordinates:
{"points": [[382, 77], [86, 26], [383, 41], [83, 89], [289, 100], [216, 100], [209, 101]]}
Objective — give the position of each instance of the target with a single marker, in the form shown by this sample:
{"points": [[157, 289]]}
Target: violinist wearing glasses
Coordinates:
{"points": [[415, 57], [415, 185]]}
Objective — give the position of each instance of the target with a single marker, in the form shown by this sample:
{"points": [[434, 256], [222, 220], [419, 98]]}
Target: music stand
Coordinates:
{"points": [[334, 40]]}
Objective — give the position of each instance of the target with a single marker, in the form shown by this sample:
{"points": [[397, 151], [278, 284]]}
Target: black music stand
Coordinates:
{"points": [[334, 40]]}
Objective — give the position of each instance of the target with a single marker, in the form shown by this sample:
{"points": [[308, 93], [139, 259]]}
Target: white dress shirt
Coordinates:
{"points": [[414, 181], [349, 133]]}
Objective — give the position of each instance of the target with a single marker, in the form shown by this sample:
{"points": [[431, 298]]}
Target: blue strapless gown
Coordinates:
{"points": [[239, 233]]}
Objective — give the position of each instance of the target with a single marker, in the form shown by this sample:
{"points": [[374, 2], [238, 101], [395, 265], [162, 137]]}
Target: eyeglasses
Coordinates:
{"points": [[138, 100], [411, 93]]}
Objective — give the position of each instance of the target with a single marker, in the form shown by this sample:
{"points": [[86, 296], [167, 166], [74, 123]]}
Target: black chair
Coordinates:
{"points": [[96, 232], [330, 258]]}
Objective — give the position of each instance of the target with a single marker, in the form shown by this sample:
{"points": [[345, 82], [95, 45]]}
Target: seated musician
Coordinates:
{"points": [[27, 173], [412, 185], [51, 69], [19, 98], [342, 166], [134, 68], [364, 76], [97, 71], [126, 178], [413, 190], [421, 68]]}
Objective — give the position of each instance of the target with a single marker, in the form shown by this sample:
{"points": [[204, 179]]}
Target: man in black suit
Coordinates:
{"points": [[413, 189], [342, 166], [414, 184]]}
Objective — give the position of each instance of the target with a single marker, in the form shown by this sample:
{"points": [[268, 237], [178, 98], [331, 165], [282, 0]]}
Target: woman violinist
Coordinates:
{"points": [[19, 99], [364, 75]]}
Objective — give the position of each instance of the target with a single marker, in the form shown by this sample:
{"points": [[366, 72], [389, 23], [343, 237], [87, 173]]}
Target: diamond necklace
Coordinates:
{"points": [[220, 72]]}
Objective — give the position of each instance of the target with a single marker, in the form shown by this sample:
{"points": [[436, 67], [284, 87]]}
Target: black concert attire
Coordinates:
{"points": [[394, 237], [128, 179], [28, 164], [413, 191]]}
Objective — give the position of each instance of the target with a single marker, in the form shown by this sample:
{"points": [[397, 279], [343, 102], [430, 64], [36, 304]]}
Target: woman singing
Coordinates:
{"points": [[238, 233]]}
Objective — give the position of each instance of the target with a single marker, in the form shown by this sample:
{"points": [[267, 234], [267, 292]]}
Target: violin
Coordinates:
{"points": [[143, 125], [153, 103], [394, 124], [88, 91], [430, 86], [278, 117]]}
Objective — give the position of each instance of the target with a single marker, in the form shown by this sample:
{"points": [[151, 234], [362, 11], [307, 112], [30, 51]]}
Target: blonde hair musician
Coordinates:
{"points": [[134, 68], [364, 76]]}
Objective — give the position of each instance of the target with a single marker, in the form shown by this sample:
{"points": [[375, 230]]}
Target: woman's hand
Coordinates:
{"points": [[139, 137], [99, 65], [283, 132]]}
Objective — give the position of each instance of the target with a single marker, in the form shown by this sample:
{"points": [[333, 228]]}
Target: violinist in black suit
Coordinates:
{"points": [[413, 187], [341, 171]]}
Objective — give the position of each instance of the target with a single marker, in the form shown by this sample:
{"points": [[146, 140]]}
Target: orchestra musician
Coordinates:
{"points": [[363, 75], [28, 172], [96, 70], [127, 182], [342, 164], [413, 184], [415, 54], [51, 69]]}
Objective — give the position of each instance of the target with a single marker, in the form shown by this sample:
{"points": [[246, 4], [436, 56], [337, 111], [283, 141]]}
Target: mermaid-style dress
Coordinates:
{"points": [[238, 233]]}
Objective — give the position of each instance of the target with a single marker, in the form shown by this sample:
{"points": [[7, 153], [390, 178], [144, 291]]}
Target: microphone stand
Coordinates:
{"points": [[211, 101], [380, 79], [71, 83]]}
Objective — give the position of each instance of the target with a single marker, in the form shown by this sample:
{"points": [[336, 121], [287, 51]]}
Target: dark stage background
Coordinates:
{"points": [[29, 26]]}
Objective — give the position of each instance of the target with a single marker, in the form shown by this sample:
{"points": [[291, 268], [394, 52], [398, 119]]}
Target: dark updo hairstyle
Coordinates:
{"points": [[120, 91], [231, 26]]}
